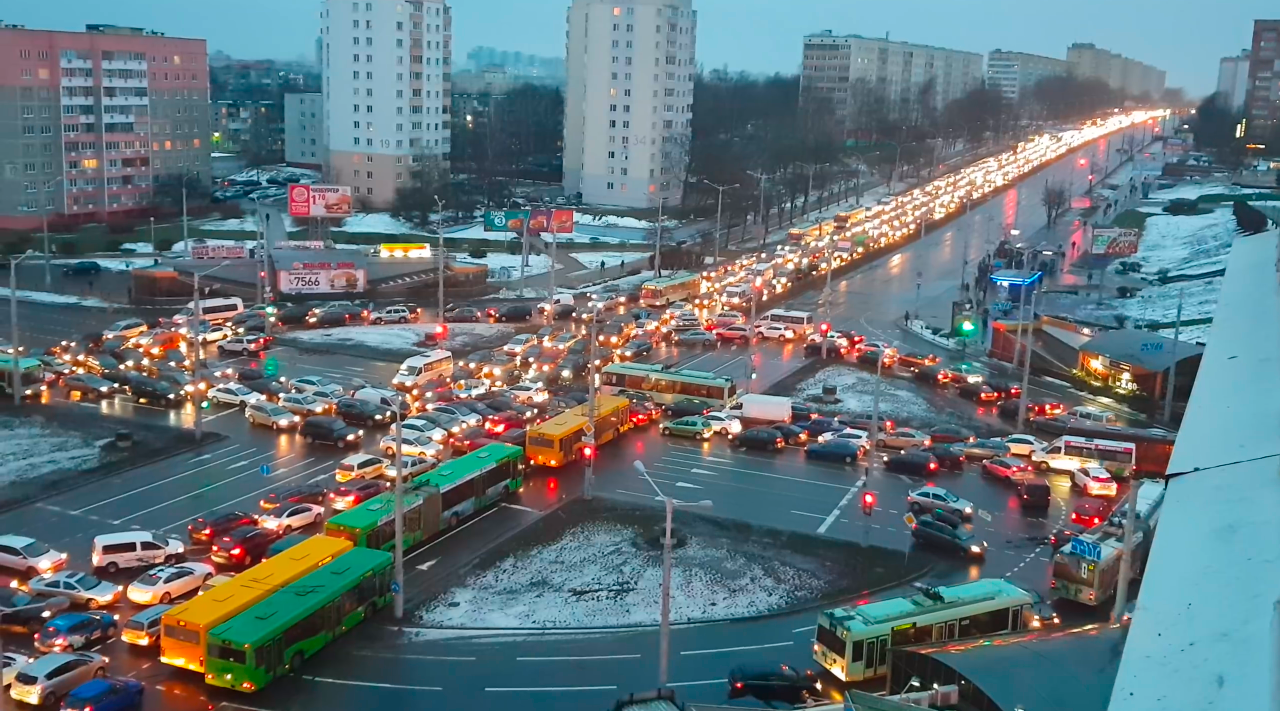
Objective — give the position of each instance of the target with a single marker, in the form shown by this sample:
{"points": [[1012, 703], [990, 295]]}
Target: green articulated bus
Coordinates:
{"points": [[438, 500], [276, 636]]}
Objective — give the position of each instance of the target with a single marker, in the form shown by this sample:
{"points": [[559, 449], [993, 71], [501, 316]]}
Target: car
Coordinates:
{"points": [[1005, 390], [360, 466], [791, 434], [930, 498], [242, 547], [1063, 534], [233, 394], [502, 422], [528, 393], [357, 492], [776, 331], [983, 449], [514, 312], [802, 413], [453, 425], [56, 367], [932, 531], [936, 375], [1090, 512], [469, 418], [29, 556], [293, 314], [1034, 493], [976, 391], [469, 387], [301, 494], [418, 426], [464, 315], [19, 609], [284, 519], [724, 319], [916, 361], [872, 356], [686, 406], [515, 436], [950, 434], [857, 436], [1006, 468], [774, 682], [413, 467], [519, 343], [79, 588], [735, 332], [392, 314], [903, 438], [105, 694], [835, 450], [759, 438], [965, 373], [635, 348], [166, 582], [89, 385], [833, 345], [268, 415], [49, 679], [327, 319], [83, 267], [1093, 481], [696, 338], [254, 324], [695, 427], [819, 426], [303, 405], [413, 444], [330, 430], [469, 440], [243, 344], [127, 328], [1023, 444], [75, 630], [355, 411], [153, 391], [215, 333], [311, 385], [725, 423], [204, 529]]}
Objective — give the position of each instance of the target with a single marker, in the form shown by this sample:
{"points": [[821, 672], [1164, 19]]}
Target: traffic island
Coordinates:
{"points": [[392, 343], [593, 565]]}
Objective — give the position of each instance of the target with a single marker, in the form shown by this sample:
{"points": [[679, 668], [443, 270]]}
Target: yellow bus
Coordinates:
{"points": [[558, 441], [183, 630]]}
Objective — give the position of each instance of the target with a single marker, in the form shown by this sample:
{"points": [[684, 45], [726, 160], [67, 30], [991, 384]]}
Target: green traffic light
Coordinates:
{"points": [[966, 326]]}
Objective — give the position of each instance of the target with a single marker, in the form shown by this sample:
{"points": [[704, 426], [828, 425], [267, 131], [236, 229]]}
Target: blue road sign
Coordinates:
{"points": [[265, 469], [395, 587], [1088, 549]]}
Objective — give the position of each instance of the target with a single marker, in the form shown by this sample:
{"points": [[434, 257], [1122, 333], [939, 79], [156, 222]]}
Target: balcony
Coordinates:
{"points": [[78, 101], [125, 100], [76, 81], [124, 64], [111, 117], [116, 81], [87, 118], [75, 63]]}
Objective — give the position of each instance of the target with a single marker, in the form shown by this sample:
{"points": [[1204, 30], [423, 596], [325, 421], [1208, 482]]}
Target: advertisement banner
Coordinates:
{"points": [[219, 251], [1115, 242], [301, 244], [505, 220], [546, 221], [412, 251], [321, 278], [319, 201]]}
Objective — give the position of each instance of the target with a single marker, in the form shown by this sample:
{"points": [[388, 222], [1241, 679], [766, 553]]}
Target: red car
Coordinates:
{"points": [[1090, 512], [639, 418], [503, 421]]}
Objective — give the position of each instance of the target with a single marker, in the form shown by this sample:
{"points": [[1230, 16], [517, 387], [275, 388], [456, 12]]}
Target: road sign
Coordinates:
{"points": [[265, 469], [395, 587], [589, 429], [1088, 549], [910, 519], [984, 515]]}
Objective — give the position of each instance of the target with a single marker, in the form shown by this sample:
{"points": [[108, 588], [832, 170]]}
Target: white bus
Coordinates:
{"points": [[681, 286], [419, 369], [1070, 452], [668, 386], [801, 321], [211, 310], [853, 642]]}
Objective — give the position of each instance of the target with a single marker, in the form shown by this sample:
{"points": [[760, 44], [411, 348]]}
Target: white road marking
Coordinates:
{"points": [[427, 565], [549, 688], [521, 508], [805, 629], [416, 656], [574, 659], [685, 485], [776, 476], [205, 488], [162, 481], [450, 533], [696, 683], [737, 649], [206, 418], [371, 683], [74, 513], [726, 365], [802, 513], [210, 455], [702, 471], [272, 485], [831, 518], [643, 496]]}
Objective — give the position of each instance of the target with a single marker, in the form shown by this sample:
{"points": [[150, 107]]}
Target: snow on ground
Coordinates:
{"points": [[283, 172], [114, 265], [45, 297], [505, 267], [138, 247], [476, 231], [626, 283], [591, 260], [1195, 188], [1186, 244], [378, 223], [620, 221], [1159, 303], [28, 451], [1198, 333], [598, 575], [233, 224], [856, 390], [402, 336]]}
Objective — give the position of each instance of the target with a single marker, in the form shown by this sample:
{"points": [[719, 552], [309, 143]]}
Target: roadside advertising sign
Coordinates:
{"points": [[302, 244], [1115, 242], [219, 251], [558, 221], [322, 278], [505, 220], [319, 201], [410, 250]]}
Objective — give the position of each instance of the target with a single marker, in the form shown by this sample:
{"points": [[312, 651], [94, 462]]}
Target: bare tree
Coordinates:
{"points": [[1055, 197]]}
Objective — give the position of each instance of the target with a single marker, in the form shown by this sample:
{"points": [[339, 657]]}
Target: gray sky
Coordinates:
{"points": [[1184, 38]]}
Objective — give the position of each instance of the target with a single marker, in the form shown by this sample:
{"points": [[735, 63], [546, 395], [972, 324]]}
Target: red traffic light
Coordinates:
{"points": [[825, 328], [1082, 162], [588, 452], [442, 330], [868, 499]]}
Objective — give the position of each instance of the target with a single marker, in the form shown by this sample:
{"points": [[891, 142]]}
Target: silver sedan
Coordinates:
{"points": [[79, 588]]}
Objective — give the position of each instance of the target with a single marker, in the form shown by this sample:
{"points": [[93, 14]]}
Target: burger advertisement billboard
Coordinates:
{"points": [[322, 278], [319, 201]]}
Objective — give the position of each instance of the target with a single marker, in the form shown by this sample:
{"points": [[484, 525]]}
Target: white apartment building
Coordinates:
{"points": [[386, 91], [1014, 73], [852, 68], [1233, 79], [306, 143], [628, 100], [1121, 73]]}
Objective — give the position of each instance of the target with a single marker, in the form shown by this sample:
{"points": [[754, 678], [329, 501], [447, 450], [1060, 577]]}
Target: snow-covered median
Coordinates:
{"points": [[1186, 244], [505, 267], [599, 574], [591, 260], [113, 265], [45, 297], [856, 390], [402, 336], [29, 451]]}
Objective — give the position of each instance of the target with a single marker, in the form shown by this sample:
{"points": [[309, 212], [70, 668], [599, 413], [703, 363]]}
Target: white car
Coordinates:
{"points": [[242, 345], [289, 517], [303, 405], [391, 314], [519, 344], [127, 328], [29, 556], [1022, 444], [858, 437], [234, 394], [312, 385], [724, 423], [13, 663], [470, 387], [413, 445], [217, 333], [928, 498], [1093, 481], [469, 418], [528, 393], [166, 582], [269, 415], [413, 466], [417, 426], [776, 331], [360, 466]]}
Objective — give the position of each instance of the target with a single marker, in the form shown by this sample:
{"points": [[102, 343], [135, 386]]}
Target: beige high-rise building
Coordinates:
{"points": [[386, 92], [1121, 73], [1014, 73], [1233, 78], [628, 100]]}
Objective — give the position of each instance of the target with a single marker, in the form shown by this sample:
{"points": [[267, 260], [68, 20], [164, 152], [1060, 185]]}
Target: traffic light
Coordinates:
{"points": [[825, 328], [588, 452], [1083, 162], [204, 404], [868, 502], [966, 327], [442, 331]]}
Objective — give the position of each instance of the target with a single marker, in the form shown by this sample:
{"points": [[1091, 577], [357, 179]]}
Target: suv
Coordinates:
{"points": [[515, 312], [243, 546], [206, 528], [29, 556], [243, 344], [398, 314], [934, 531], [359, 411], [774, 683], [330, 430], [53, 676]]}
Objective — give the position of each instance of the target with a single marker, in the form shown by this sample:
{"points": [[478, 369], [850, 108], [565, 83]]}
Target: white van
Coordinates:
{"points": [[1069, 452], [212, 310], [1093, 414], [556, 300], [800, 321], [419, 369], [737, 295], [389, 399], [135, 549]]}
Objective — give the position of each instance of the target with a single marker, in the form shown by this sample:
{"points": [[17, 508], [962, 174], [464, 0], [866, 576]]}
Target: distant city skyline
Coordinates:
{"points": [[743, 35]]}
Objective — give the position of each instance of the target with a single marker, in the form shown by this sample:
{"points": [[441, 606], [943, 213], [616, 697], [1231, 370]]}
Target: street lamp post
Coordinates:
{"points": [[16, 383], [664, 629], [764, 222], [184, 208], [589, 437], [657, 242], [1026, 366], [811, 168], [44, 224], [719, 207], [826, 300], [399, 496], [440, 256], [874, 434], [193, 328]]}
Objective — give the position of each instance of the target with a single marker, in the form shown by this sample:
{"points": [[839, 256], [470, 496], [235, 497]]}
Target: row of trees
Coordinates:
{"points": [[1216, 123]]}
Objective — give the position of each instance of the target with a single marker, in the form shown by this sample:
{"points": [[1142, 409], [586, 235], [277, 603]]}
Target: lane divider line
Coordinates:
{"points": [[272, 485], [327, 680], [163, 481], [206, 488], [550, 688], [737, 649], [697, 683], [574, 659]]}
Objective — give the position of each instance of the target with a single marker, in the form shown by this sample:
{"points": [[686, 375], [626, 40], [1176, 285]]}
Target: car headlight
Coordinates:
{"points": [[351, 436], [975, 549], [968, 509]]}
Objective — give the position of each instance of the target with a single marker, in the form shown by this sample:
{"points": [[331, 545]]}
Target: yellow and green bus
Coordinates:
{"points": [[184, 629], [275, 636], [437, 500]]}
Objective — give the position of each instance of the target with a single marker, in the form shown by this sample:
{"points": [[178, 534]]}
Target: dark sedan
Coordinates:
{"points": [[947, 434], [327, 319], [792, 434], [302, 494], [270, 389], [760, 438], [293, 315], [686, 407], [89, 385], [464, 315], [822, 425], [949, 458], [354, 411], [914, 462], [836, 450], [933, 374], [330, 430]]}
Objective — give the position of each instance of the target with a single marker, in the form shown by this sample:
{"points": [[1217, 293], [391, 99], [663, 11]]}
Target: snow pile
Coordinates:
{"points": [[378, 223], [402, 336], [505, 267], [856, 390], [1186, 244], [591, 260], [233, 224], [476, 231], [114, 265], [28, 451], [138, 247], [620, 221], [281, 172], [46, 297], [1195, 188], [1159, 303], [599, 575]]}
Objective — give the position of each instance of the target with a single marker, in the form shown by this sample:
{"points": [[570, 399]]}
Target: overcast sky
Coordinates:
{"points": [[1184, 38]]}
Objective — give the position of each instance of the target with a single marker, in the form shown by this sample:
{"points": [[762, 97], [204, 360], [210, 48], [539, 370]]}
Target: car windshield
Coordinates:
{"points": [[87, 582], [149, 579], [275, 411], [948, 496], [34, 549]]}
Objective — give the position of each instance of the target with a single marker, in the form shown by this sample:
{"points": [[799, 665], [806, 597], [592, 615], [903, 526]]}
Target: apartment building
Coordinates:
{"points": [[1014, 73], [1262, 96], [1233, 79], [1121, 73], [91, 121], [629, 100], [852, 71], [386, 92], [305, 139]]}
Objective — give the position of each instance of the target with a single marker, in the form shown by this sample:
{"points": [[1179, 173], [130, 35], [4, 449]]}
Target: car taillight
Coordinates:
{"points": [[208, 531], [237, 550], [737, 685], [933, 465], [215, 547]]}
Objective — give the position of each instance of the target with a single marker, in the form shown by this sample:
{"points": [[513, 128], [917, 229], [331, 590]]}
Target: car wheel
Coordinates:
{"points": [[390, 451], [453, 521], [402, 319], [724, 430], [100, 672], [916, 507], [880, 443], [1043, 466], [341, 444], [848, 460], [32, 573], [295, 664], [165, 598], [666, 432], [93, 604], [287, 530], [308, 439], [111, 567], [170, 559]]}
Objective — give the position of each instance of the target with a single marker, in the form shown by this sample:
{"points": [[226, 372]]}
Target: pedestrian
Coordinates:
{"points": [[906, 318], [90, 285], [1089, 278], [129, 291], [602, 266]]}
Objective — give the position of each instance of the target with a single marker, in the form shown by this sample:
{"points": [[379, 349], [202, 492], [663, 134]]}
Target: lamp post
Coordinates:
{"points": [[812, 168], [719, 206], [874, 434], [551, 227], [897, 160], [657, 242], [44, 224], [184, 208], [664, 629], [764, 221], [399, 513], [1026, 366], [193, 328], [16, 383], [440, 256]]}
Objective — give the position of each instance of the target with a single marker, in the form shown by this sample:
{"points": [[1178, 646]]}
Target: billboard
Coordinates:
{"points": [[539, 221], [319, 201], [410, 250], [321, 278], [1115, 242], [219, 251]]}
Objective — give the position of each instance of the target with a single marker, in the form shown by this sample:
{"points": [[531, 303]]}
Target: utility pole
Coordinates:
{"points": [[964, 262], [551, 227], [764, 222], [811, 168], [440, 256], [719, 207], [399, 496], [524, 251], [16, 383], [193, 328], [589, 438], [44, 223], [657, 242], [1026, 367], [826, 300], [1126, 565], [1173, 367]]}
